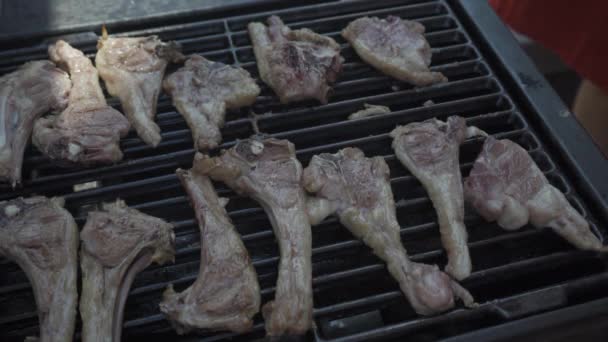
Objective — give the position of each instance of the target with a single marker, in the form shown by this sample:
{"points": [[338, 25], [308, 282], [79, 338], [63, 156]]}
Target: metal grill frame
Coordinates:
{"points": [[487, 68]]}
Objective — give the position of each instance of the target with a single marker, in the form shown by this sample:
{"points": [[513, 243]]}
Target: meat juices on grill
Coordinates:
{"points": [[226, 293], [117, 243], [133, 70], [42, 238], [430, 151], [394, 46], [268, 171], [203, 90], [296, 64], [35, 88], [505, 185], [88, 131], [357, 189]]}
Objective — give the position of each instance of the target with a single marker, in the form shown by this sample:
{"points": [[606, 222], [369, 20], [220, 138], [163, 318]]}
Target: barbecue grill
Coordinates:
{"points": [[526, 281]]}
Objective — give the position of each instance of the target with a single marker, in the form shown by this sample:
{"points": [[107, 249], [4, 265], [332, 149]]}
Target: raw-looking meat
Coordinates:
{"points": [[369, 110], [88, 131], [117, 243], [133, 70], [226, 293], [430, 150], [203, 90], [42, 238], [268, 171], [505, 185], [32, 90], [394, 46], [296, 64], [357, 190]]}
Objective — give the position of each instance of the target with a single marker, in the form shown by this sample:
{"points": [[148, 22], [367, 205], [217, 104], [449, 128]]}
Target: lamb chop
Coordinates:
{"points": [[394, 46], [296, 64], [357, 190], [226, 293], [133, 70], [505, 185], [42, 238], [203, 90], [88, 131], [35, 88], [430, 151], [117, 243], [268, 171]]}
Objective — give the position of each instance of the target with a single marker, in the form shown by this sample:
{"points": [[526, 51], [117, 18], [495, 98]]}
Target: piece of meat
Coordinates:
{"points": [[133, 70], [296, 64], [88, 131], [42, 238], [203, 90], [117, 243], [394, 46], [226, 293], [35, 88], [369, 110], [505, 185], [430, 151], [268, 171], [357, 189]]}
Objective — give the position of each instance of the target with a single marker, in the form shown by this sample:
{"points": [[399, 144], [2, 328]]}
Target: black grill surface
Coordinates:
{"points": [[516, 274]]}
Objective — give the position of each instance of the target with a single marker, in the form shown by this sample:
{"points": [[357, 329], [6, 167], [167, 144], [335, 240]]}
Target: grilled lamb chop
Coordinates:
{"points": [[430, 151], [133, 70], [88, 131], [268, 171], [226, 293], [357, 189], [296, 64], [42, 238], [394, 46], [203, 90], [35, 88], [505, 185], [117, 243]]}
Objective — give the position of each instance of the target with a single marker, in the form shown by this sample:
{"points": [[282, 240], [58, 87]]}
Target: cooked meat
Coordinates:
{"points": [[394, 46], [117, 243], [88, 131], [35, 88], [369, 110], [202, 91], [505, 185], [42, 238], [133, 70], [430, 151], [357, 189], [268, 171], [296, 64], [226, 293]]}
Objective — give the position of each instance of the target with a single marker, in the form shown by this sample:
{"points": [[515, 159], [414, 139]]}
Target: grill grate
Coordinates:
{"points": [[516, 274]]}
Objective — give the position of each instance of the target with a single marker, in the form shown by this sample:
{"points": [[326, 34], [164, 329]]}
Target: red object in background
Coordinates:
{"points": [[576, 30]]}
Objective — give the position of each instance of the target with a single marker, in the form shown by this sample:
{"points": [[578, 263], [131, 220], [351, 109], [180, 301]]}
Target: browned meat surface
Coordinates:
{"points": [[394, 46], [42, 238], [296, 64], [268, 171], [133, 70], [430, 150], [203, 90], [505, 185], [88, 131], [117, 243], [226, 293], [32, 90], [357, 190]]}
